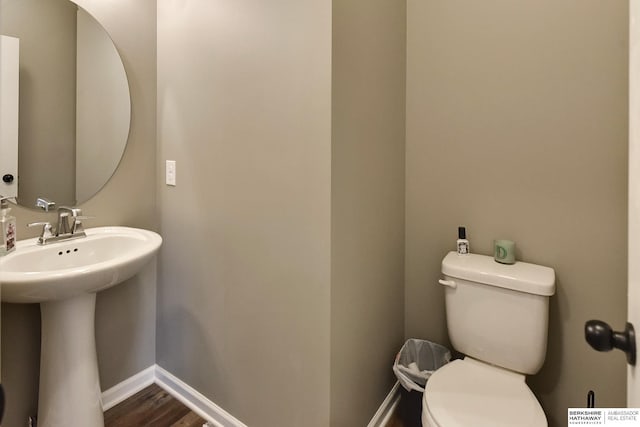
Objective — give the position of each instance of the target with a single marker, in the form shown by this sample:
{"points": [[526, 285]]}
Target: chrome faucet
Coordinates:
{"points": [[69, 221], [69, 226]]}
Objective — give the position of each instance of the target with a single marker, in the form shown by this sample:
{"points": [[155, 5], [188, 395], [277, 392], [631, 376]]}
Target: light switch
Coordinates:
{"points": [[170, 172]]}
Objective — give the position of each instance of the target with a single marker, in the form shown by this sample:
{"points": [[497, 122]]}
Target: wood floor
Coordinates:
{"points": [[395, 421], [151, 407], [154, 407]]}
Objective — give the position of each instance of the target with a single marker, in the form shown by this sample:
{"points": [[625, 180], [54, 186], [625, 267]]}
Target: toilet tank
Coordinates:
{"points": [[498, 313]]}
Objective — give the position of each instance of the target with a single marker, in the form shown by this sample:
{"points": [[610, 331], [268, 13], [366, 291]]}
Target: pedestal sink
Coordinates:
{"points": [[64, 278]]}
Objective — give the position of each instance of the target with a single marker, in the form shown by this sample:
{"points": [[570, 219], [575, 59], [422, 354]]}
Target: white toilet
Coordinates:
{"points": [[497, 316]]}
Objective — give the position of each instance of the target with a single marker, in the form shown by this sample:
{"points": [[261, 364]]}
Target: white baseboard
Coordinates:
{"points": [[191, 398], [194, 400], [387, 408], [128, 388]]}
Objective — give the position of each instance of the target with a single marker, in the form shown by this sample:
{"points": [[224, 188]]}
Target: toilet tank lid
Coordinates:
{"points": [[521, 276]]}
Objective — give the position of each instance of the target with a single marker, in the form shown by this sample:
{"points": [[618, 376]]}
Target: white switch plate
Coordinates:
{"points": [[170, 172]]}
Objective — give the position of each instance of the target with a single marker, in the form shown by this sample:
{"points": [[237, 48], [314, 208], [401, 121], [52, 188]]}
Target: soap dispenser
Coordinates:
{"points": [[7, 227]]}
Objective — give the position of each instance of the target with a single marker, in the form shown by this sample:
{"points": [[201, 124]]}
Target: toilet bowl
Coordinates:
{"points": [[468, 392], [497, 315]]}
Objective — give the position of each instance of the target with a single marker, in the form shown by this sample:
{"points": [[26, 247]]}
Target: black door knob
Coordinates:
{"points": [[601, 337], [8, 178]]}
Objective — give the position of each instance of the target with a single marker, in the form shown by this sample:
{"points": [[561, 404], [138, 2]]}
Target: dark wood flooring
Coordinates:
{"points": [[395, 421], [154, 407], [151, 407]]}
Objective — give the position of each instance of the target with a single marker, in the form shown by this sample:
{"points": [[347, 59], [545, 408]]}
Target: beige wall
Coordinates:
{"points": [[125, 314], [367, 204], [268, 299], [47, 121], [244, 273], [517, 128]]}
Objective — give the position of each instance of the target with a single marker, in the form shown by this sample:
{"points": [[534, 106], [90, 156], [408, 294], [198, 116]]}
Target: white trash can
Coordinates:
{"points": [[416, 361]]}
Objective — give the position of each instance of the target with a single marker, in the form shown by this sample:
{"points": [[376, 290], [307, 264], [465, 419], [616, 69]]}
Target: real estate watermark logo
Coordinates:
{"points": [[627, 417]]}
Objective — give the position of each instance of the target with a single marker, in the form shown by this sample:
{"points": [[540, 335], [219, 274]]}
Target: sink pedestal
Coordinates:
{"points": [[64, 277], [69, 383]]}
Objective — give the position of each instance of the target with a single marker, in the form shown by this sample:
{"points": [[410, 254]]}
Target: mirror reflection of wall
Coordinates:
{"points": [[9, 85], [102, 108], [74, 101], [47, 33]]}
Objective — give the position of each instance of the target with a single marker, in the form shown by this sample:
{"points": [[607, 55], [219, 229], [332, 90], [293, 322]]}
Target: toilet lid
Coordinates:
{"points": [[471, 393]]}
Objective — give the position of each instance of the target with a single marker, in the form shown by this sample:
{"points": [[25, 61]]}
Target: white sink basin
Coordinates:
{"points": [[106, 257], [64, 278]]}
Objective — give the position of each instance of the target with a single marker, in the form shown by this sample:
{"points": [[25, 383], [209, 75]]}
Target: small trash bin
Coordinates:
{"points": [[414, 364]]}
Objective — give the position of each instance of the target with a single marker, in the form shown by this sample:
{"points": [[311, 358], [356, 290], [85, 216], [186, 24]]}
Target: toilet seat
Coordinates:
{"points": [[468, 392]]}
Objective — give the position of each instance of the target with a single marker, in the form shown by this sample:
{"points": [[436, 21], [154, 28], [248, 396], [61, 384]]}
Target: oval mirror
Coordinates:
{"points": [[69, 103]]}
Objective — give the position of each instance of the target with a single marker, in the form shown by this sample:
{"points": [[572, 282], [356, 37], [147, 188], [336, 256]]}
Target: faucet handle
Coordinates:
{"points": [[77, 227], [47, 231], [46, 224], [45, 204]]}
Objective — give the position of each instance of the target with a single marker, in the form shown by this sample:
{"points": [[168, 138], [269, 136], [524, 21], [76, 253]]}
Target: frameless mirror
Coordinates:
{"points": [[72, 110]]}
